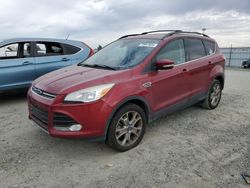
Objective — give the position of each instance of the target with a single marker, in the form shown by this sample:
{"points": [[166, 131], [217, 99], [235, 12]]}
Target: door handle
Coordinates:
{"points": [[27, 63], [184, 70], [210, 63], [65, 59]]}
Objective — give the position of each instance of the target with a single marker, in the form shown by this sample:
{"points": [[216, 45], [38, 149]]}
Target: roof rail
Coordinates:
{"points": [[144, 33], [171, 32], [130, 35], [159, 31], [190, 32]]}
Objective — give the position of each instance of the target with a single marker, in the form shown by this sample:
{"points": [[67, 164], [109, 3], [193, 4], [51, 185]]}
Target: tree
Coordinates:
{"points": [[99, 47]]}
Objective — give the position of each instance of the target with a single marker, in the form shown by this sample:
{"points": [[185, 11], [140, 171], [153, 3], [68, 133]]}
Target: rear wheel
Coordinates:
{"points": [[214, 95], [127, 128]]}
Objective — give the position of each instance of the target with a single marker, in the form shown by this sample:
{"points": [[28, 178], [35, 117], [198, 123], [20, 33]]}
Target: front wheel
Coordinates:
{"points": [[214, 95], [127, 128]]}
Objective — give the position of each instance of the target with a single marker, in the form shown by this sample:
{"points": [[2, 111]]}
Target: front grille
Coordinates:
{"points": [[43, 93], [61, 120], [39, 114]]}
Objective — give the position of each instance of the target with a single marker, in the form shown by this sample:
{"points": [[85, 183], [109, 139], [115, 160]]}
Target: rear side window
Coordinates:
{"points": [[173, 51], [9, 51], [69, 49], [195, 49], [48, 49], [210, 47]]}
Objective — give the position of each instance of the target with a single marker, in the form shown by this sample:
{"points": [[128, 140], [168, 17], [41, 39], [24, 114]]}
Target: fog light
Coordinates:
{"points": [[75, 127]]}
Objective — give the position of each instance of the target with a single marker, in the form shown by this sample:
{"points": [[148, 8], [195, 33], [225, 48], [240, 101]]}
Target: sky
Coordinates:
{"points": [[102, 21]]}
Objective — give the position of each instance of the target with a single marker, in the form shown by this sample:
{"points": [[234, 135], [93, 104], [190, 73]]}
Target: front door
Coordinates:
{"points": [[171, 87], [16, 65]]}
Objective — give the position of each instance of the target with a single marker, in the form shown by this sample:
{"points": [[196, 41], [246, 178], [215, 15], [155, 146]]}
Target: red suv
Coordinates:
{"points": [[116, 92]]}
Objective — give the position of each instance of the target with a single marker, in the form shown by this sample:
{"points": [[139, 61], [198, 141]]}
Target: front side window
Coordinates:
{"points": [[173, 51], [9, 51], [195, 49], [48, 49], [123, 53]]}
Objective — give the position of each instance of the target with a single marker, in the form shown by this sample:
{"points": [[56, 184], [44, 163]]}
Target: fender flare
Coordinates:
{"points": [[120, 104]]}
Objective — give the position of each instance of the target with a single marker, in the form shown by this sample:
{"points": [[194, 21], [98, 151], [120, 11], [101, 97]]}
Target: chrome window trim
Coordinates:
{"points": [[195, 59]]}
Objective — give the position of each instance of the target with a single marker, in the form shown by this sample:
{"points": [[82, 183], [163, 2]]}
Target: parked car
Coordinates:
{"points": [[129, 83], [246, 63], [23, 60]]}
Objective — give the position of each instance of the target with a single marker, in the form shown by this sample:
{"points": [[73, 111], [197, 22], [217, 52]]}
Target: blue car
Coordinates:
{"points": [[23, 60]]}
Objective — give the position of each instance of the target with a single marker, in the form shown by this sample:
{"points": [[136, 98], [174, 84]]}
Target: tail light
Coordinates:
{"points": [[91, 50]]}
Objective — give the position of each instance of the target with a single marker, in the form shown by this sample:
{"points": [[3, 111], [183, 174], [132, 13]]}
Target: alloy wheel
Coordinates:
{"points": [[215, 94], [128, 128]]}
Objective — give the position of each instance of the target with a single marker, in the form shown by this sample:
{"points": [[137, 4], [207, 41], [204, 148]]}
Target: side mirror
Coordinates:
{"points": [[164, 64]]}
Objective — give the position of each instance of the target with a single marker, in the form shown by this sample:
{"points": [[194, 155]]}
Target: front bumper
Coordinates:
{"points": [[50, 113]]}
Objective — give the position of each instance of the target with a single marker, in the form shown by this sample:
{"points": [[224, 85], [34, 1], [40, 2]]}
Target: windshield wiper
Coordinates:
{"points": [[98, 66]]}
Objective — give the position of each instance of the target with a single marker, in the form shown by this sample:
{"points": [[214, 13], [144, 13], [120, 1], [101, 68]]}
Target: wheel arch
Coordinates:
{"points": [[218, 73], [220, 78], [140, 101]]}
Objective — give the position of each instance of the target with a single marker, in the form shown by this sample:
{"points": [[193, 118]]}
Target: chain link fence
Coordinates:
{"points": [[235, 56]]}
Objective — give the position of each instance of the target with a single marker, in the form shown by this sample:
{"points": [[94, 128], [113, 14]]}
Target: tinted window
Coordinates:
{"points": [[195, 49], [69, 49], [26, 50], [9, 51], [210, 47], [173, 51], [48, 49]]}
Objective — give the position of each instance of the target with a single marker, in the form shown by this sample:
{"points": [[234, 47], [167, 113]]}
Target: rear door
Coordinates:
{"points": [[16, 65], [171, 87], [50, 56], [198, 65]]}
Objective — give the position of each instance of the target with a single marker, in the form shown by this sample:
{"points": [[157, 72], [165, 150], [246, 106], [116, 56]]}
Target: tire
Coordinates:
{"points": [[214, 95], [124, 135]]}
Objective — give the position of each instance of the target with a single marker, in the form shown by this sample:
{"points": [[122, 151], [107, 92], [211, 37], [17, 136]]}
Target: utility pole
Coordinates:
{"points": [[230, 55]]}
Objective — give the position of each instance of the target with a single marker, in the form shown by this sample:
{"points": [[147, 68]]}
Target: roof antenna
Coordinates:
{"points": [[67, 36]]}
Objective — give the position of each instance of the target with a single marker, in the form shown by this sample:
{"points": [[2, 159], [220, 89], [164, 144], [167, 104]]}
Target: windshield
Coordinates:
{"points": [[122, 54]]}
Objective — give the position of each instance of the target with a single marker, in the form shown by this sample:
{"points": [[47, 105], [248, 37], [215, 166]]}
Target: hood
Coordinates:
{"points": [[75, 77]]}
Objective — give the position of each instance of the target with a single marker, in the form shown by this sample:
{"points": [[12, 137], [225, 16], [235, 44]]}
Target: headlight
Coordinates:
{"points": [[89, 94]]}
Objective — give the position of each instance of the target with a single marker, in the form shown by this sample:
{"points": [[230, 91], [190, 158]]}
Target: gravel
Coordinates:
{"points": [[191, 148]]}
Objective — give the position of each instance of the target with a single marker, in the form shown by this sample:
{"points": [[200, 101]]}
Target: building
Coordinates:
{"points": [[235, 56]]}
